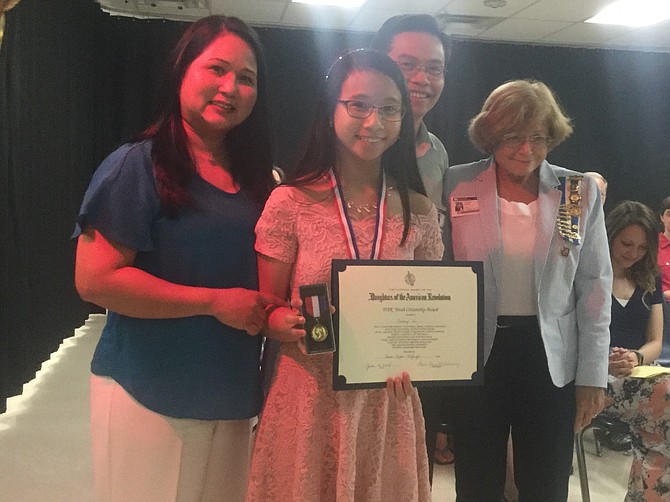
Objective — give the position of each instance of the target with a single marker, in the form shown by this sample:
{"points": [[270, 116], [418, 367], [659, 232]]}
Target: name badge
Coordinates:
{"points": [[460, 206]]}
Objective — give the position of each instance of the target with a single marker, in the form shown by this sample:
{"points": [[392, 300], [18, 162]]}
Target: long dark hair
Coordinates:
{"points": [[628, 213], [318, 153], [248, 144]]}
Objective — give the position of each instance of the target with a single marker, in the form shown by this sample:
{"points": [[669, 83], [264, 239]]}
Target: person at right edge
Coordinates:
{"points": [[539, 231]]}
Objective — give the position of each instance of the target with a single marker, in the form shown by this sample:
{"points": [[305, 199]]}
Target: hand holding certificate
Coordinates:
{"points": [[422, 318]]}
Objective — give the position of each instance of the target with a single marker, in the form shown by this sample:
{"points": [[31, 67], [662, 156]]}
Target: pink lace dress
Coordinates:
{"points": [[314, 443]]}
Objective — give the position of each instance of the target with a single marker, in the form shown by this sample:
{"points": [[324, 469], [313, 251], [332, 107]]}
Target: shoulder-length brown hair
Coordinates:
{"points": [[628, 213], [513, 107]]}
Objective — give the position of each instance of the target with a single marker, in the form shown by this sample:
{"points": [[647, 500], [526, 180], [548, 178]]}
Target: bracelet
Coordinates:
{"points": [[640, 357]]}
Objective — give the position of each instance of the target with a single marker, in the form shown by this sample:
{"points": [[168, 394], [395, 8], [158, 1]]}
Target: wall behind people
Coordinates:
{"points": [[75, 83]]}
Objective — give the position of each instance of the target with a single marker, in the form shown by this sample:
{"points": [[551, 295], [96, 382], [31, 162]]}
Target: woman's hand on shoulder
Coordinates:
{"points": [[316, 192], [419, 204]]}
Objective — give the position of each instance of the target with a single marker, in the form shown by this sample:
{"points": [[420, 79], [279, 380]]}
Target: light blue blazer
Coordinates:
{"points": [[573, 291]]}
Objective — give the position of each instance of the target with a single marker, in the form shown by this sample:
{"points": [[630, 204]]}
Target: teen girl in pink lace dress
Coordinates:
{"points": [[314, 443]]}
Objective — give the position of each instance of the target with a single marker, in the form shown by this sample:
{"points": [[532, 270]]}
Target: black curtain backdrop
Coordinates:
{"points": [[75, 83]]}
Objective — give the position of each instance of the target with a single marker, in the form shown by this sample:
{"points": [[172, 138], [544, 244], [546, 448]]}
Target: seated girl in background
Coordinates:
{"points": [[636, 334], [358, 171]]}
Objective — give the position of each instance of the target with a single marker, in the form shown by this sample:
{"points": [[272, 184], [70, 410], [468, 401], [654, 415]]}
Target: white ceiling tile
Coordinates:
{"points": [[407, 6], [587, 34], [523, 30], [651, 37], [477, 8], [252, 11], [371, 19], [299, 14], [529, 21], [463, 30], [563, 10]]}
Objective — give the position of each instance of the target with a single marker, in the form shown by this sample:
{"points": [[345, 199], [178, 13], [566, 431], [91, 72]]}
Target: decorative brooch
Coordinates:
{"points": [[570, 211]]}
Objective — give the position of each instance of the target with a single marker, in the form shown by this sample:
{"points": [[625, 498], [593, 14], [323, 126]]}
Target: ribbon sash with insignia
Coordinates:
{"points": [[570, 210]]}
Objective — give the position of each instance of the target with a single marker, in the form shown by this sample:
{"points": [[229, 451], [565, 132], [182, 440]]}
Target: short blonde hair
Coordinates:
{"points": [[515, 106]]}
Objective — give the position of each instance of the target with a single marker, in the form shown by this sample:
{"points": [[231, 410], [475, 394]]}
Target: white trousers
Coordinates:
{"points": [[143, 456]]}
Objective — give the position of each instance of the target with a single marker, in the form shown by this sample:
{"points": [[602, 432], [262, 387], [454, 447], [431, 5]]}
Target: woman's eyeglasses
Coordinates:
{"points": [[358, 109], [536, 141]]}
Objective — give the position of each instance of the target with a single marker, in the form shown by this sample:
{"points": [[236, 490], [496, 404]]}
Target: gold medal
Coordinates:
{"points": [[575, 211], [319, 333]]}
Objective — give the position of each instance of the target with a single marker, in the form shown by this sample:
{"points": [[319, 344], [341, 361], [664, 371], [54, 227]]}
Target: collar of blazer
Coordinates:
{"points": [[549, 198]]}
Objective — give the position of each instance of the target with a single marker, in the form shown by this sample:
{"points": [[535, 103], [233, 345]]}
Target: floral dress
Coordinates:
{"points": [[644, 404], [314, 443]]}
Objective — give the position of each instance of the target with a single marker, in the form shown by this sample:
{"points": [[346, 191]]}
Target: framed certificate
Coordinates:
{"points": [[422, 317]]}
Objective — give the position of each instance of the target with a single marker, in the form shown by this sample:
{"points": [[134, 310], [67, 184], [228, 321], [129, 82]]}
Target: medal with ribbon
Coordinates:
{"points": [[570, 210], [314, 306]]}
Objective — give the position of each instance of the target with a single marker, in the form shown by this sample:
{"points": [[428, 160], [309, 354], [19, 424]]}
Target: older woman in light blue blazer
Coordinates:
{"points": [[539, 231]]}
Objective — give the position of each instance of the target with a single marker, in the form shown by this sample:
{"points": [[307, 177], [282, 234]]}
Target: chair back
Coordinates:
{"points": [[664, 358]]}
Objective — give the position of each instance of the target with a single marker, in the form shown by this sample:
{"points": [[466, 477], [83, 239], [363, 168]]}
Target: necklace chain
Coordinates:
{"points": [[362, 208], [367, 208]]}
